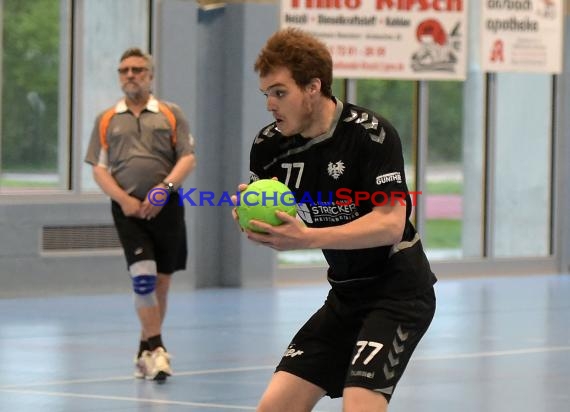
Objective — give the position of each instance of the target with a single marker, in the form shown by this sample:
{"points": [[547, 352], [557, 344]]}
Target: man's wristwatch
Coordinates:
{"points": [[169, 186]]}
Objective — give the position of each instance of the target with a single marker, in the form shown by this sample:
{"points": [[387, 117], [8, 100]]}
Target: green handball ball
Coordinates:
{"points": [[261, 200]]}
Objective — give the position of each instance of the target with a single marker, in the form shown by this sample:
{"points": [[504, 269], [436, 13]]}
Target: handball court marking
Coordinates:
{"points": [[21, 389]]}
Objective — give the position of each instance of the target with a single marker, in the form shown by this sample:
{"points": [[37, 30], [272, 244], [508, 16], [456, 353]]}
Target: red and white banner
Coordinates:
{"points": [[401, 39], [522, 36]]}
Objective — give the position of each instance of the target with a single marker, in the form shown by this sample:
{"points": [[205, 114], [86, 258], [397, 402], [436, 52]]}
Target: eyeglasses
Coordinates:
{"points": [[135, 70]]}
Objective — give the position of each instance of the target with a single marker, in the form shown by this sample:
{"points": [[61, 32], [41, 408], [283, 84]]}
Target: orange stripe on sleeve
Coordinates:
{"points": [[104, 125], [171, 119]]}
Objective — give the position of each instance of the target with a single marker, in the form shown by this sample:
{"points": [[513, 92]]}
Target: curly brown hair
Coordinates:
{"points": [[304, 55]]}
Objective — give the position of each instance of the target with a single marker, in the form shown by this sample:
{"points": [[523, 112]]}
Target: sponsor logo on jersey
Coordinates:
{"points": [[304, 213], [389, 177], [335, 170], [327, 213]]}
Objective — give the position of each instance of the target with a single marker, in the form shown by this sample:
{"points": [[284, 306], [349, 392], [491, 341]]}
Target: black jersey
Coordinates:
{"points": [[338, 177]]}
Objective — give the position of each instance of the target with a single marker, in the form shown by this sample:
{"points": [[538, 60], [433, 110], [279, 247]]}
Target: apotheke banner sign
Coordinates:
{"points": [[522, 36]]}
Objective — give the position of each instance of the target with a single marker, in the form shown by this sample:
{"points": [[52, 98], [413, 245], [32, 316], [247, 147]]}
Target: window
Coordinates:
{"points": [[109, 28], [521, 185], [444, 172], [30, 135]]}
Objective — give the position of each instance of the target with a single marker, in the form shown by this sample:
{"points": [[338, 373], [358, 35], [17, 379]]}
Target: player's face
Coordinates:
{"points": [[290, 104], [135, 77]]}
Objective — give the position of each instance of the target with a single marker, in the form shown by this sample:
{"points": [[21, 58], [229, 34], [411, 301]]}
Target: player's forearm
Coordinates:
{"points": [[372, 230]]}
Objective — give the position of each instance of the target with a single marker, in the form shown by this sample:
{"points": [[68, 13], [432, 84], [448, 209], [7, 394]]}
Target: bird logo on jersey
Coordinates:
{"points": [[336, 169]]}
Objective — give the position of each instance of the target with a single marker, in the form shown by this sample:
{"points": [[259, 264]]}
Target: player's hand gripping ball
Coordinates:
{"points": [[261, 200]]}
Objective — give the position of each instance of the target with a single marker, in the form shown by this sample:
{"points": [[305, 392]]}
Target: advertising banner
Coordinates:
{"points": [[401, 39], [522, 36]]}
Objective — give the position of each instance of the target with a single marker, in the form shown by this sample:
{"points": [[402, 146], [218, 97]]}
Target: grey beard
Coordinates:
{"points": [[134, 96]]}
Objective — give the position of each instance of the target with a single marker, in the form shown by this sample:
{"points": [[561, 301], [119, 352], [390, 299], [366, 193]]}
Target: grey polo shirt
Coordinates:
{"points": [[140, 151]]}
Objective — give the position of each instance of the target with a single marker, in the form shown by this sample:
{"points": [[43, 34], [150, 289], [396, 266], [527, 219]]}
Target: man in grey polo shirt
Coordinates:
{"points": [[141, 151]]}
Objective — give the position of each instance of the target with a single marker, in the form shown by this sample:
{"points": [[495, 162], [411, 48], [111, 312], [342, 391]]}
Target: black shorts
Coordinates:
{"points": [[365, 343], [162, 239]]}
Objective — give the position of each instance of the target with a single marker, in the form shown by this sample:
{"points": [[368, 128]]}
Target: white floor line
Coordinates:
{"points": [[130, 377], [494, 353], [473, 355], [128, 399]]}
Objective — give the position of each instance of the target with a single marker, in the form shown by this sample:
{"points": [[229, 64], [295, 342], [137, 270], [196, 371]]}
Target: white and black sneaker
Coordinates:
{"points": [[143, 364], [158, 369]]}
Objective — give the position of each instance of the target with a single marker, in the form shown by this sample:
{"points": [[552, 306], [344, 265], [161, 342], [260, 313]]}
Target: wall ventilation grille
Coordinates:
{"points": [[79, 238]]}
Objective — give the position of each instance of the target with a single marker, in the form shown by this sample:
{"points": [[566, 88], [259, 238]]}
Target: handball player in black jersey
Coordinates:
{"points": [[345, 166]]}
